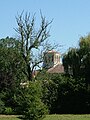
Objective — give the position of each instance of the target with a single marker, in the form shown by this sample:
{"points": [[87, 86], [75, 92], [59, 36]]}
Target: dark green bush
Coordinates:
{"points": [[63, 94], [28, 102]]}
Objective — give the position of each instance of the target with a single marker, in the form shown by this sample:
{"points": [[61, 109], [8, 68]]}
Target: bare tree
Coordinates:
{"points": [[31, 40]]}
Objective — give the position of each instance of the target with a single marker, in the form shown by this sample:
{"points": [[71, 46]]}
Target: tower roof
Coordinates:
{"points": [[56, 69]]}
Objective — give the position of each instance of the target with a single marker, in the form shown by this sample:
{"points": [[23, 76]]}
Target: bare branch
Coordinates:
{"points": [[30, 38]]}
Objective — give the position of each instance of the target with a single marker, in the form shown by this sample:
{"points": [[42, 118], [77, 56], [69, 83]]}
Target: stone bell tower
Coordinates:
{"points": [[51, 59]]}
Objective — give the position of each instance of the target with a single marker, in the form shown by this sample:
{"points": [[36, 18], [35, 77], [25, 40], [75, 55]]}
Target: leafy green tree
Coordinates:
{"points": [[11, 72], [85, 56], [77, 60], [28, 101], [31, 40], [11, 64], [72, 62]]}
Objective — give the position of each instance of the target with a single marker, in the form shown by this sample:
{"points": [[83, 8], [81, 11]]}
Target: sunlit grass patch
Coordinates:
{"points": [[51, 117], [9, 117], [68, 117]]}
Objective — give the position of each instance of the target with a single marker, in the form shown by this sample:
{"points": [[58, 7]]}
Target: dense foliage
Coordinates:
{"points": [[64, 94], [77, 60], [11, 64]]}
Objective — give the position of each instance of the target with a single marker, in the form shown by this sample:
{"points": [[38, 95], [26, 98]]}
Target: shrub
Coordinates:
{"points": [[28, 100], [8, 111]]}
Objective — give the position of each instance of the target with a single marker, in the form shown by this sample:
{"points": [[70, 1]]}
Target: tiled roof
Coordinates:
{"points": [[56, 69]]}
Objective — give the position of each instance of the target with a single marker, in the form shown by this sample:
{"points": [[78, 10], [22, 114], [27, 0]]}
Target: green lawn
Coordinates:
{"points": [[51, 117], [9, 117], [67, 117]]}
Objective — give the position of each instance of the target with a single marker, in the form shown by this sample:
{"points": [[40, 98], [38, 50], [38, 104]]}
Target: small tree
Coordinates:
{"points": [[28, 101], [31, 40]]}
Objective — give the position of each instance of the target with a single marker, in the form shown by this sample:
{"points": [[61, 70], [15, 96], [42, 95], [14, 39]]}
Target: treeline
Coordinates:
{"points": [[46, 93], [34, 96]]}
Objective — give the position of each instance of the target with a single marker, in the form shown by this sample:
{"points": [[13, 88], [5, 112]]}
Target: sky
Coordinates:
{"points": [[71, 18]]}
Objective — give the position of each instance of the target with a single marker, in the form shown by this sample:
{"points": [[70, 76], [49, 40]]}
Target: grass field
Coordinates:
{"points": [[51, 117], [8, 117], [67, 117]]}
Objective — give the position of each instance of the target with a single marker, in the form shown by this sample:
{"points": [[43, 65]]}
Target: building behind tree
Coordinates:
{"points": [[52, 62]]}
